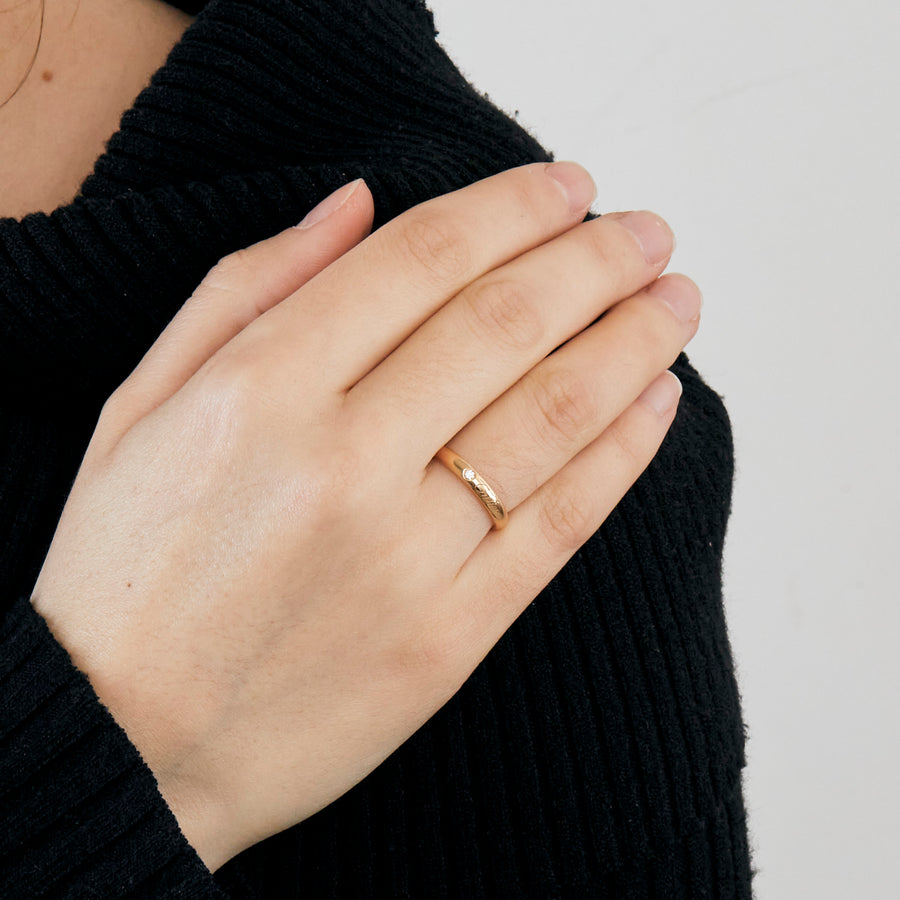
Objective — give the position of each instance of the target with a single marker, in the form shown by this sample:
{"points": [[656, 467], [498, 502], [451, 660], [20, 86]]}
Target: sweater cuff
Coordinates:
{"points": [[80, 811]]}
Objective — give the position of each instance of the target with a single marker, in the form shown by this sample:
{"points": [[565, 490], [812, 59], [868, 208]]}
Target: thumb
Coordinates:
{"points": [[238, 289]]}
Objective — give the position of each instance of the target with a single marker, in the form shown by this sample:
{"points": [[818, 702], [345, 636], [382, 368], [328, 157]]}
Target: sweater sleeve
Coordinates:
{"points": [[80, 812]]}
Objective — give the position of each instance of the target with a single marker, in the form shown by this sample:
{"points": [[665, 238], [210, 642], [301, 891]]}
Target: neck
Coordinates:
{"points": [[21, 31], [93, 59]]}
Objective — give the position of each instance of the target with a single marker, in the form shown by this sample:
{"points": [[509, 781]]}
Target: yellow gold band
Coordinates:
{"points": [[480, 488]]}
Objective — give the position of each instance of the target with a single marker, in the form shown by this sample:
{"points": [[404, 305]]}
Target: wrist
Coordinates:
{"points": [[203, 816]]}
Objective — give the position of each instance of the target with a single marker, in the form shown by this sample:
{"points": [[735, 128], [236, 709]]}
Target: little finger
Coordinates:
{"points": [[509, 568]]}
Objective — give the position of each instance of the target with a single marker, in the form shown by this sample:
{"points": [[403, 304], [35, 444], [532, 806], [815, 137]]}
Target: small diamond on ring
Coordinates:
{"points": [[468, 474]]}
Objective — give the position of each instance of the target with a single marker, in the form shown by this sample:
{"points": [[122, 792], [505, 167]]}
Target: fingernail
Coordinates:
{"points": [[663, 393], [652, 233], [681, 295], [330, 204], [576, 183]]}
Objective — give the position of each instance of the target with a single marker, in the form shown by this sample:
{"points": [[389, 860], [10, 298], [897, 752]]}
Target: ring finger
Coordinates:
{"points": [[561, 405]]}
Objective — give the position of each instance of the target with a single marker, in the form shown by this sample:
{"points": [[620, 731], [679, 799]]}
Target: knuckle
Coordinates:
{"points": [[565, 407], [232, 391], [442, 250], [111, 424], [435, 649], [230, 270], [322, 496], [653, 331], [603, 251], [627, 443], [530, 193], [565, 519], [348, 465], [504, 313], [225, 381], [429, 649], [114, 405]]}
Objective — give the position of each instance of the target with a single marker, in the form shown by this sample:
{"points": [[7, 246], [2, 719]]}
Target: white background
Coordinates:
{"points": [[767, 134]]}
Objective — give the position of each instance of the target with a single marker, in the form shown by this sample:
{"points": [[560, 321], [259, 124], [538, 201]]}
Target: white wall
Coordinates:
{"points": [[767, 135]]}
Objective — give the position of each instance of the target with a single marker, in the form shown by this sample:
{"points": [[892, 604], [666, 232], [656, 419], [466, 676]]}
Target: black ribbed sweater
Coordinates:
{"points": [[597, 750]]}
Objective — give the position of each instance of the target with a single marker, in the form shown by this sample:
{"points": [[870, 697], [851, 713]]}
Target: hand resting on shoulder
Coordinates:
{"points": [[266, 575]]}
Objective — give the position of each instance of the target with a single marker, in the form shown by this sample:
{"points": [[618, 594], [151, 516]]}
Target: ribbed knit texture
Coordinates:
{"points": [[82, 816], [597, 750]]}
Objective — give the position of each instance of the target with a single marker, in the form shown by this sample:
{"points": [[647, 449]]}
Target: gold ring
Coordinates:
{"points": [[480, 488]]}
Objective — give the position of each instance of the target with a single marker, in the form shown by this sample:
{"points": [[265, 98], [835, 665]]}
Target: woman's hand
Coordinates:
{"points": [[263, 571]]}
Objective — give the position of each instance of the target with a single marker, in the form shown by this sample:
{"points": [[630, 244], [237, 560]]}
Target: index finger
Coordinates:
{"points": [[366, 303]]}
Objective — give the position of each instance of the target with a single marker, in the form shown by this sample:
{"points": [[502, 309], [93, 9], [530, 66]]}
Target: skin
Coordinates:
{"points": [[57, 124], [266, 576], [274, 615]]}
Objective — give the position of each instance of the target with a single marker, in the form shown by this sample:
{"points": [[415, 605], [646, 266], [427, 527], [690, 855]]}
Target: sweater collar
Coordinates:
{"points": [[255, 85], [261, 109]]}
